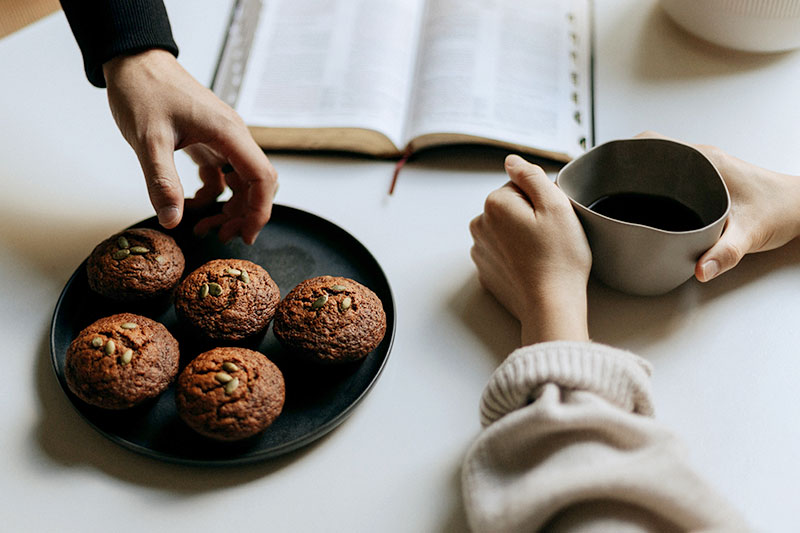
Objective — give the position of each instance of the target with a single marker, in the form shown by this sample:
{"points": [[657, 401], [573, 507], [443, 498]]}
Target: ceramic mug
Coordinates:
{"points": [[633, 257]]}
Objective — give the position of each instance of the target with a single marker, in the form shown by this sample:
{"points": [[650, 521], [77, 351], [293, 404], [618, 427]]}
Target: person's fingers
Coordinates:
{"points": [[203, 155], [506, 210], [205, 225], [230, 229], [724, 255], [259, 209], [210, 172], [258, 191], [530, 179], [495, 278], [648, 134], [476, 226], [231, 210], [236, 205], [256, 176], [242, 205], [163, 184], [213, 186]]}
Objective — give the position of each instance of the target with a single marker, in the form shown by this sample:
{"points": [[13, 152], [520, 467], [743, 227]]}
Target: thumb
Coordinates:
{"points": [[724, 255], [163, 184]]}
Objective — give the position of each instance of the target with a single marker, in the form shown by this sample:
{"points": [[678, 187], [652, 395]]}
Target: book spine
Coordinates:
{"points": [[236, 50]]}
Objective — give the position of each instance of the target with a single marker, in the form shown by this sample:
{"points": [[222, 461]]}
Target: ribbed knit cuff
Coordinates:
{"points": [[619, 376], [105, 29]]}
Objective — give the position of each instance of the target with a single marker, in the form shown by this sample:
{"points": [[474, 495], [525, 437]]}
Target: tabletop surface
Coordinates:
{"points": [[725, 353]]}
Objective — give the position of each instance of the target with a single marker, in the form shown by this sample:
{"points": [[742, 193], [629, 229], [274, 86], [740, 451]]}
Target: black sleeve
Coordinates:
{"points": [[105, 29]]}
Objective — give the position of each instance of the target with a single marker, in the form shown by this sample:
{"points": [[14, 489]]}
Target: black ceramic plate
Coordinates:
{"points": [[293, 246]]}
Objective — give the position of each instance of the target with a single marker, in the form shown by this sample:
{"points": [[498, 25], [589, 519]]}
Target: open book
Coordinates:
{"points": [[388, 77]]}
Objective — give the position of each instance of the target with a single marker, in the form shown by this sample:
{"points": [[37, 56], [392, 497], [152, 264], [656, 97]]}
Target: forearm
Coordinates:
{"points": [[568, 439]]}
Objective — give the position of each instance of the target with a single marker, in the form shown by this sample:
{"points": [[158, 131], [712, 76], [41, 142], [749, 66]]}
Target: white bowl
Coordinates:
{"points": [[750, 25]]}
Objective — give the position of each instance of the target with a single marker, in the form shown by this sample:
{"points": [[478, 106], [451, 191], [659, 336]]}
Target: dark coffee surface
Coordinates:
{"points": [[651, 210]]}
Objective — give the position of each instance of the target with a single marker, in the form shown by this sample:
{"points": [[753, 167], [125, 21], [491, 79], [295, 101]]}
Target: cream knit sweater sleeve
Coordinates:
{"points": [[569, 444]]}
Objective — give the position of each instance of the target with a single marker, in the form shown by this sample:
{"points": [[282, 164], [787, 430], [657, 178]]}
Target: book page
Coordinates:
{"points": [[505, 70], [332, 63]]}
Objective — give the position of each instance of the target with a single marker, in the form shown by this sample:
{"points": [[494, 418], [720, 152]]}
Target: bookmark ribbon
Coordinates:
{"points": [[400, 164]]}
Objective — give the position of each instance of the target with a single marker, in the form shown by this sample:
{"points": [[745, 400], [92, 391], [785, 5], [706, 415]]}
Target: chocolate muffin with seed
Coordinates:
{"points": [[135, 265], [331, 320], [227, 299], [230, 393], [121, 360]]}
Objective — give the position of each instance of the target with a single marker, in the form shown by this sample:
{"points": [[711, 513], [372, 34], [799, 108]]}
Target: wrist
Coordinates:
{"points": [[555, 313], [121, 63]]}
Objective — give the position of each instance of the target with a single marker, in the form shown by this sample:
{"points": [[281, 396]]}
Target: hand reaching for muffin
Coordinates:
{"points": [[160, 108]]}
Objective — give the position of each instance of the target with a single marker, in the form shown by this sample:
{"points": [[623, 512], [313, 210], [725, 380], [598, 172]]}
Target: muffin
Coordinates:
{"points": [[330, 319], [227, 299], [135, 265], [230, 393], [121, 360]]}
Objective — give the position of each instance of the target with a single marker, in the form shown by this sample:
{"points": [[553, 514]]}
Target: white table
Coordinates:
{"points": [[725, 354]]}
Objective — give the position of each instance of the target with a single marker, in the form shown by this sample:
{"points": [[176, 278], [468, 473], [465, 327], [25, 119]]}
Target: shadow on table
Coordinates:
{"points": [[53, 245], [486, 318], [451, 158], [67, 439], [456, 518], [667, 52], [616, 318], [472, 157], [751, 268]]}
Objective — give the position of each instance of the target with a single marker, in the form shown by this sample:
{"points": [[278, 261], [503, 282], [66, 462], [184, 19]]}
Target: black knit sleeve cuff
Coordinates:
{"points": [[105, 29]]}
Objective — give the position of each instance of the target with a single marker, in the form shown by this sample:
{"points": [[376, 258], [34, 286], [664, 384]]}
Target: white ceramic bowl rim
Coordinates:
{"points": [[747, 25]]}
